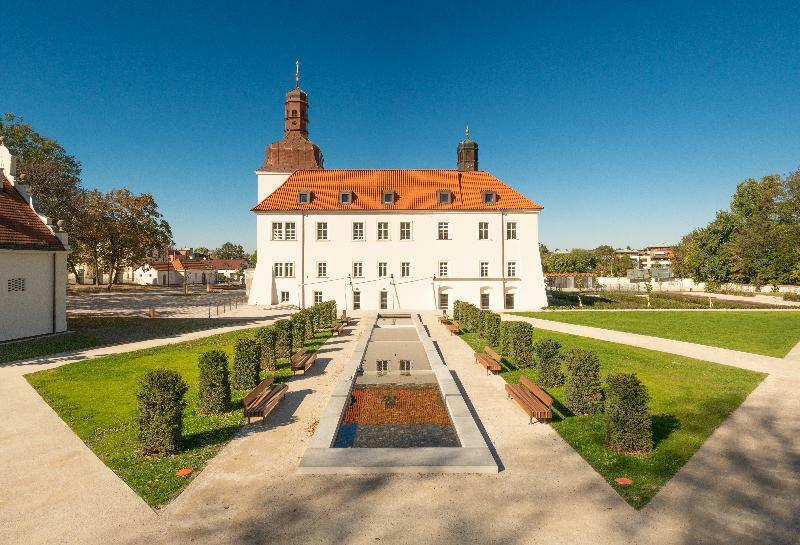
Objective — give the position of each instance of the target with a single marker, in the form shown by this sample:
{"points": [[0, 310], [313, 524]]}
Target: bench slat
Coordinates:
{"points": [[534, 388], [257, 391]]}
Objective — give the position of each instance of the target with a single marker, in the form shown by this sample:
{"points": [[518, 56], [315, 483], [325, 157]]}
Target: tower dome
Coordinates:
{"points": [[467, 153]]}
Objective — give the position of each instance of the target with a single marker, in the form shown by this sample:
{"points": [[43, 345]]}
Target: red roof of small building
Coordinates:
{"points": [[413, 189], [20, 226]]}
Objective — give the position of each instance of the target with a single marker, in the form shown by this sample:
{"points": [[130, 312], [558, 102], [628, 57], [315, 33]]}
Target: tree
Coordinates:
{"points": [[253, 258], [229, 250], [202, 250]]}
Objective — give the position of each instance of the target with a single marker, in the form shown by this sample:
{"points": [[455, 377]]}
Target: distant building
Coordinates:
{"points": [[33, 261], [178, 271], [650, 257]]}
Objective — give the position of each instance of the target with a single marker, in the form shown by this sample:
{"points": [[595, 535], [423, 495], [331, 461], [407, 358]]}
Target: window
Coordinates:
{"points": [[317, 297], [444, 230], [484, 301], [383, 230], [443, 196], [511, 230], [382, 367], [284, 297], [489, 197], [382, 266], [483, 230], [358, 230], [405, 367], [509, 300], [444, 300], [346, 197], [405, 269], [304, 197], [388, 197], [322, 269], [511, 269], [277, 270], [443, 268], [358, 269], [291, 231], [16, 284], [283, 270], [322, 230], [405, 230], [277, 231], [484, 269], [289, 269], [356, 300], [384, 300]]}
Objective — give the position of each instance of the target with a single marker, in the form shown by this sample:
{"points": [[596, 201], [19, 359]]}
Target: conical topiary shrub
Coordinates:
{"points": [[214, 390], [160, 416]]}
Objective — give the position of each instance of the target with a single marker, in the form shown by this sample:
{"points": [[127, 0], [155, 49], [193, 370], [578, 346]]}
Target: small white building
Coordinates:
{"points": [[33, 262], [390, 239]]}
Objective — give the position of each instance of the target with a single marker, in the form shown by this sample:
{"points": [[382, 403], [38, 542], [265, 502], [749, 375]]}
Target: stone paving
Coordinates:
{"points": [[741, 486]]}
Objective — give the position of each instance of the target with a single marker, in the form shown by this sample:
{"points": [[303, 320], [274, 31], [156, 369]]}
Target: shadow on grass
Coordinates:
{"points": [[207, 438], [663, 425]]}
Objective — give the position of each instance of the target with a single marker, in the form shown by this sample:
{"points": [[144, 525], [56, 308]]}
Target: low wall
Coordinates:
{"points": [[683, 284]]}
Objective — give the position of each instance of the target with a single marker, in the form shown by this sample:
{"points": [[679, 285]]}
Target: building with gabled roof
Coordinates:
{"points": [[33, 261], [390, 239]]}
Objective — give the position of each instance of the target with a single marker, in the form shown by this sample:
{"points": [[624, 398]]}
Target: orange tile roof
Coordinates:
{"points": [[414, 190], [20, 226]]}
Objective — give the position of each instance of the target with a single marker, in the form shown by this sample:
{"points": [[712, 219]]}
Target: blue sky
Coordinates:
{"points": [[631, 122]]}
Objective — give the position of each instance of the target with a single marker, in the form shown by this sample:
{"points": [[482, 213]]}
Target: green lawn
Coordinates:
{"points": [[90, 331], [767, 333], [633, 300], [690, 398], [97, 399]]}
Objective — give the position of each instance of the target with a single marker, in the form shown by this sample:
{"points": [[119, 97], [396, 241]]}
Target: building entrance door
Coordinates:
{"points": [[384, 300], [356, 300]]}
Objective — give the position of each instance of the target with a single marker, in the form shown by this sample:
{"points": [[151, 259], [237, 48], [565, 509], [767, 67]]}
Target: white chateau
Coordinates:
{"points": [[390, 239]]}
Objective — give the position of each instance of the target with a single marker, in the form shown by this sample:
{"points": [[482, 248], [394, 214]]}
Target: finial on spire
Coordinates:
{"points": [[467, 131], [297, 73]]}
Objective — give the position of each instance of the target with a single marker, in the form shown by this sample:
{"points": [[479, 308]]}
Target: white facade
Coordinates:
{"points": [[477, 265]]}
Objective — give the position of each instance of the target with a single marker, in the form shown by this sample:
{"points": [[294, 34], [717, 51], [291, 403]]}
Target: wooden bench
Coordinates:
{"points": [[302, 360], [338, 328], [533, 400], [443, 319], [344, 319], [453, 327], [263, 399], [489, 359]]}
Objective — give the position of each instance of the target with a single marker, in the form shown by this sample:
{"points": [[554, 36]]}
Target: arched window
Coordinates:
{"points": [[294, 113]]}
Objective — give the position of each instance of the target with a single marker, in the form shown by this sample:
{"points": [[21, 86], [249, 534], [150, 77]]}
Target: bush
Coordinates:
{"points": [[214, 390], [547, 353], [298, 322], [627, 417], [246, 363], [790, 296], [160, 416], [283, 338], [266, 338], [490, 327], [582, 392], [516, 342], [308, 317]]}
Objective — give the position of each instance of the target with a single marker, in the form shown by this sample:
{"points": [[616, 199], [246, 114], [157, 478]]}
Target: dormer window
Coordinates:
{"points": [[388, 197], [304, 197], [346, 197], [443, 196], [489, 197]]}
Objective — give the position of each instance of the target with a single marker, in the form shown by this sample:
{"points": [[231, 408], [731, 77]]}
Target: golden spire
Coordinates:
{"points": [[467, 131], [297, 73]]}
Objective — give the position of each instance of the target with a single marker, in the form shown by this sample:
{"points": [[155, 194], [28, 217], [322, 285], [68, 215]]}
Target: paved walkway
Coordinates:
{"points": [[741, 486], [761, 298]]}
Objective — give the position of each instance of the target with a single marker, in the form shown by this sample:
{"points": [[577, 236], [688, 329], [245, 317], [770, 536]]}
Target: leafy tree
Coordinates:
{"points": [[229, 250], [253, 258], [202, 250]]}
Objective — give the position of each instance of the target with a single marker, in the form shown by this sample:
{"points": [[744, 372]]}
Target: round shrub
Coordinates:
{"points": [[283, 338], [160, 416], [627, 417], [266, 338], [214, 390], [246, 363], [516, 342], [547, 353], [582, 392]]}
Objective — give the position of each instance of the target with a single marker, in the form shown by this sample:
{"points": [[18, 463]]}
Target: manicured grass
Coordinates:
{"points": [[633, 300], [767, 333], [89, 331], [689, 399], [97, 399]]}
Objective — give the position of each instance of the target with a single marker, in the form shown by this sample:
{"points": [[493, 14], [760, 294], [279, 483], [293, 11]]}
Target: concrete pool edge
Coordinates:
{"points": [[473, 456]]}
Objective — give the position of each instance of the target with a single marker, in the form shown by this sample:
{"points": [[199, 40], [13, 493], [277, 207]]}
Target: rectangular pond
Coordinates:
{"points": [[396, 408]]}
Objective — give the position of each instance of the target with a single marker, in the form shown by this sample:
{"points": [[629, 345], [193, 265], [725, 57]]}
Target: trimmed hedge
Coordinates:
{"points": [[308, 317], [283, 338], [246, 363], [516, 342], [483, 322], [324, 314], [298, 322], [160, 416], [266, 338], [214, 390], [548, 357], [582, 391], [627, 416], [490, 327]]}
